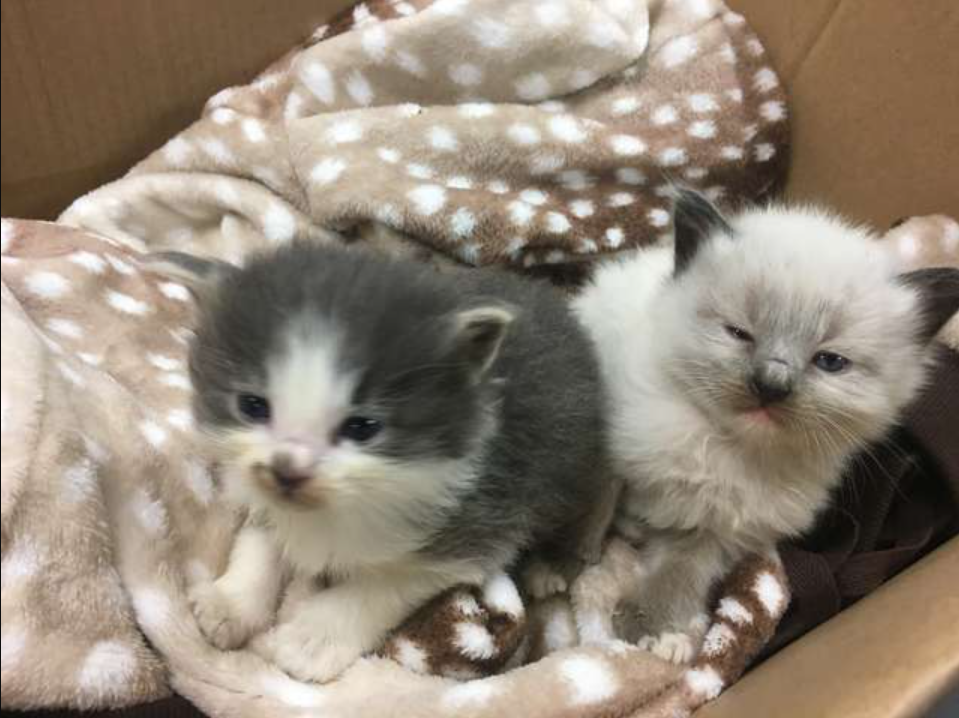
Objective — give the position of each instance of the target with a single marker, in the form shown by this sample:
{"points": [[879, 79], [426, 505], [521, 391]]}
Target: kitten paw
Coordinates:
{"points": [[227, 620], [595, 628], [671, 646], [543, 580], [305, 657]]}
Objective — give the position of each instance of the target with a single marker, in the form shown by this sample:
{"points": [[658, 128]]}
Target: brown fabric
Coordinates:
{"points": [[424, 644]]}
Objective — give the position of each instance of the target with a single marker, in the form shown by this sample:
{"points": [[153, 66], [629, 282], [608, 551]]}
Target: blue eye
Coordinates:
{"points": [[738, 333], [253, 407], [830, 362], [359, 429]]}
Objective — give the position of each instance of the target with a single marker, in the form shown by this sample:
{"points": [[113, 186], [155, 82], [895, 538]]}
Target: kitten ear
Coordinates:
{"points": [[938, 289], [478, 334], [695, 219], [198, 274]]}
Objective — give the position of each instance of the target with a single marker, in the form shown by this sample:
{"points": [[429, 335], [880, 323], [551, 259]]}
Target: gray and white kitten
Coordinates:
{"points": [[745, 366], [392, 429]]}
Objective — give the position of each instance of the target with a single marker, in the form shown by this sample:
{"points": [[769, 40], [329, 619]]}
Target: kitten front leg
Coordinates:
{"points": [[674, 601], [581, 547], [590, 534], [599, 590], [542, 578], [242, 601], [348, 620]]}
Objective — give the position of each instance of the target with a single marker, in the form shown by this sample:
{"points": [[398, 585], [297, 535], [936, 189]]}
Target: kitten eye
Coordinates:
{"points": [[738, 333], [359, 429], [253, 407], [830, 362]]}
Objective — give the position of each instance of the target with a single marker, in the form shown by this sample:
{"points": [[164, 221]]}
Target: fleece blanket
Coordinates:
{"points": [[528, 134], [109, 516], [523, 133]]}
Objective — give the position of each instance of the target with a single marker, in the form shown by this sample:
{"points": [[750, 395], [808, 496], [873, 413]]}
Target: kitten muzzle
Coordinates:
{"points": [[292, 486], [771, 382]]}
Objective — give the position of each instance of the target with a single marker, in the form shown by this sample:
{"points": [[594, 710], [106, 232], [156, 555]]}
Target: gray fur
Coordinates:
{"points": [[520, 403]]}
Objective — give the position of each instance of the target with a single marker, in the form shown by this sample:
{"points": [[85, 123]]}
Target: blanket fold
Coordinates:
{"points": [[519, 133]]}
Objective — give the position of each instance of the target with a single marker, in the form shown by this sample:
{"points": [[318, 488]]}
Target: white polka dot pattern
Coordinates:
{"points": [[127, 359], [487, 119]]}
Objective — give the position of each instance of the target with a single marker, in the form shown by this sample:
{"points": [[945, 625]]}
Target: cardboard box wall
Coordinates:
{"points": [[91, 86]]}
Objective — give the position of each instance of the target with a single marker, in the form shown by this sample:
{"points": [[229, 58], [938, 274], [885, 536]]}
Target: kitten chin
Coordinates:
{"points": [[746, 365]]}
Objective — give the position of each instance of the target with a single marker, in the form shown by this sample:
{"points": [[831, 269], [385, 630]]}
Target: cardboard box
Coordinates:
{"points": [[875, 111]]}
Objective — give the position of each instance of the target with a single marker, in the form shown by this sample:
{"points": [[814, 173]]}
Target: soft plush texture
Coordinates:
{"points": [[519, 133], [108, 515], [495, 131]]}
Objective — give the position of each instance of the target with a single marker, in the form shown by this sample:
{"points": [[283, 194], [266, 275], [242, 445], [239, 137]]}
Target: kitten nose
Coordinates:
{"points": [[771, 381], [291, 469]]}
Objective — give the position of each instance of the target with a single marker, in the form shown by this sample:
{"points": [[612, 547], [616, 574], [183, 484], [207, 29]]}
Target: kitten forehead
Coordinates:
{"points": [[811, 244], [824, 275], [309, 386]]}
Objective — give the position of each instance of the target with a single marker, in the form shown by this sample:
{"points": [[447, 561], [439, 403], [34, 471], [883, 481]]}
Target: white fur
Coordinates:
{"points": [[241, 602], [341, 623], [707, 482], [309, 396], [542, 580], [637, 315], [673, 646], [559, 631], [362, 527], [372, 510], [500, 594]]}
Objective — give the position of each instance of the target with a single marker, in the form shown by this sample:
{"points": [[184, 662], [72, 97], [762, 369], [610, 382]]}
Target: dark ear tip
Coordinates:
{"points": [[695, 219], [684, 197], [693, 204], [938, 288]]}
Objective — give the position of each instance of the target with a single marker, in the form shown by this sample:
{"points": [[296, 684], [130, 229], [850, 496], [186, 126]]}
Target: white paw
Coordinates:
{"points": [[227, 620], [306, 657], [543, 581], [670, 646]]}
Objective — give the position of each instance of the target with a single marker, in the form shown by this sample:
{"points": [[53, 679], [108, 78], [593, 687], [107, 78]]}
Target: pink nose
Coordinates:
{"points": [[292, 465]]}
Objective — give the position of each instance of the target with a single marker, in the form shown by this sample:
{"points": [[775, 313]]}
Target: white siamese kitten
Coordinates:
{"points": [[744, 367]]}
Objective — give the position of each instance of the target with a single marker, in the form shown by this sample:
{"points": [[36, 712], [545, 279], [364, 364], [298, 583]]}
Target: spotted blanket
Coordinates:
{"points": [[109, 516], [528, 134], [514, 132]]}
